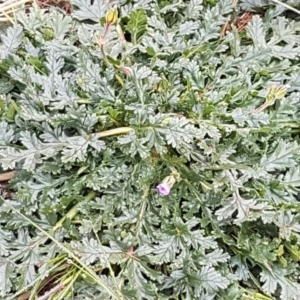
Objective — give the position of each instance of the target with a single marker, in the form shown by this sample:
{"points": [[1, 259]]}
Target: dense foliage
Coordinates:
{"points": [[93, 125]]}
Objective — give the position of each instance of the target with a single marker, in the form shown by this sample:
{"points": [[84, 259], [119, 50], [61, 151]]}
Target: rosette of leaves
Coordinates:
{"points": [[92, 126]]}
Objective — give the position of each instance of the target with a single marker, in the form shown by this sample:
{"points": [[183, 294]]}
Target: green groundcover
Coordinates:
{"points": [[153, 150]]}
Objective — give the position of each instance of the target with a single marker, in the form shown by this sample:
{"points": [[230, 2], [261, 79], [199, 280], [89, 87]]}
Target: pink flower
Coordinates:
{"points": [[164, 189]]}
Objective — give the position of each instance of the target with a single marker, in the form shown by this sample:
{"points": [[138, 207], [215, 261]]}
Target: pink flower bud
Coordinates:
{"points": [[164, 188]]}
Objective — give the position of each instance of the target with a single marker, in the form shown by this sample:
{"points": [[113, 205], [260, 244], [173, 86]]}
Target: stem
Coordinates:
{"points": [[134, 40], [288, 124], [115, 131], [7, 176], [120, 32], [112, 273], [84, 101], [69, 215], [261, 108], [104, 55], [48, 294], [287, 6], [87, 269], [73, 211], [105, 33], [142, 211], [6, 7], [24, 292], [222, 33], [68, 285], [102, 42]]}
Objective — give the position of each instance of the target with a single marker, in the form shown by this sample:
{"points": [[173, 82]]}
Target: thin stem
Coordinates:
{"points": [[104, 55], [115, 131], [87, 269], [7, 176], [287, 6], [142, 211], [68, 286], [73, 211], [25, 290], [54, 290], [69, 215], [112, 273]]}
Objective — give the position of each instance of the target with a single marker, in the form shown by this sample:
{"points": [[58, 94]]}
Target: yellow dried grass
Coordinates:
{"points": [[9, 8]]}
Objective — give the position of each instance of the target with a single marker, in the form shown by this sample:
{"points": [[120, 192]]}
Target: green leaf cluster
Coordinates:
{"points": [[93, 125]]}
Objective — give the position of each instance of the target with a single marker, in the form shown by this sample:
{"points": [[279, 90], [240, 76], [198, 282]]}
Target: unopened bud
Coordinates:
{"points": [[126, 70], [281, 91], [165, 186], [112, 16], [276, 92]]}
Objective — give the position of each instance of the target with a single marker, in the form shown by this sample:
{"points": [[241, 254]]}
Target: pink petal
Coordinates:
{"points": [[163, 189]]}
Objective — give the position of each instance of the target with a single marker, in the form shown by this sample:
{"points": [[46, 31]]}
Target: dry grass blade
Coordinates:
{"points": [[8, 9], [287, 6], [7, 176], [225, 26], [88, 271], [242, 21]]}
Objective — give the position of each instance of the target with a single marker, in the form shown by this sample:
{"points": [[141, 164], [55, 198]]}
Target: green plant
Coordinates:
{"points": [[93, 125]]}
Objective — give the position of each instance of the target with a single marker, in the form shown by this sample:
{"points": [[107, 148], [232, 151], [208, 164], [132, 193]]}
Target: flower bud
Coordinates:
{"points": [[112, 16], [276, 92], [126, 70], [281, 91], [165, 186]]}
